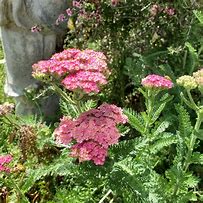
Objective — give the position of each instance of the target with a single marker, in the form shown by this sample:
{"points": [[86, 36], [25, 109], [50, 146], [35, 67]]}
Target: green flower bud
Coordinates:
{"points": [[188, 82]]}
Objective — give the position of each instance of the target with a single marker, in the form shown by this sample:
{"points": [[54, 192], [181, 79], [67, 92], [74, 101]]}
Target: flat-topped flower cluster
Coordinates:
{"points": [[157, 82], [93, 132], [75, 69]]}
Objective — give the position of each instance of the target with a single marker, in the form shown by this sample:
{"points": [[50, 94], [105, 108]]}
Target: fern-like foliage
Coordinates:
{"points": [[167, 140], [199, 15], [135, 120], [62, 166], [128, 147], [185, 126], [73, 110]]}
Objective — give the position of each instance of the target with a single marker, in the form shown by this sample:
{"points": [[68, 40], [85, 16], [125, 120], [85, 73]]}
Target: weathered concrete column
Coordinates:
{"points": [[22, 48]]}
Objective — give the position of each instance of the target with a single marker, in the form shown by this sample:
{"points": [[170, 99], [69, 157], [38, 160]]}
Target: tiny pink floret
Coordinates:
{"points": [[4, 160], [157, 82]]}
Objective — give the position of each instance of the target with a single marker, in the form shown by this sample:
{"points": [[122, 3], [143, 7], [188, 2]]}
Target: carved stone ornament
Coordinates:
{"points": [[22, 48]]}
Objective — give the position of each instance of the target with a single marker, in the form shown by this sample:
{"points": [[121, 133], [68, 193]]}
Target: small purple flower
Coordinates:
{"points": [[69, 12], [61, 18], [169, 11], [76, 4]]}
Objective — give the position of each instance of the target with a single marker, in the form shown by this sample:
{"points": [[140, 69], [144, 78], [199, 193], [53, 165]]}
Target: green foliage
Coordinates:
{"points": [[193, 61], [185, 126], [135, 120], [158, 157], [198, 15], [72, 110]]}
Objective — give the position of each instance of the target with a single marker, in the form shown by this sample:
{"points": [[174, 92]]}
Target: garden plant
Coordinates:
{"points": [[129, 125]]}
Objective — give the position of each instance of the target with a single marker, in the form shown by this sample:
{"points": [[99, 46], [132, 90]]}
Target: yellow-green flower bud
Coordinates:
{"points": [[188, 82]]}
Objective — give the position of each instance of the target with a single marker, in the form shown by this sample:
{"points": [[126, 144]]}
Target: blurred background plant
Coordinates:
{"points": [[139, 37]]}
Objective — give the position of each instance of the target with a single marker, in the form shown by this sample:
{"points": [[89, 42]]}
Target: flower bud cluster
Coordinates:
{"points": [[186, 81], [93, 131], [76, 70], [192, 82], [157, 82], [6, 108], [82, 10], [5, 159]]}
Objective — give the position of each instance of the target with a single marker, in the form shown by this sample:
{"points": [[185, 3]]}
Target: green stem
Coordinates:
{"points": [[184, 59], [176, 188], [195, 107], [10, 122], [63, 94], [22, 196], [192, 141], [149, 106], [200, 50]]}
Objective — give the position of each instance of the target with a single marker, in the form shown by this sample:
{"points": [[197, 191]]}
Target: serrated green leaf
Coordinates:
{"points": [[162, 142], [185, 126], [193, 57], [161, 128], [199, 15], [197, 158], [158, 112], [191, 181], [134, 120], [199, 134]]}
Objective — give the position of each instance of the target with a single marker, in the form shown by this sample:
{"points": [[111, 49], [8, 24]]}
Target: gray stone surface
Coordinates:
{"points": [[22, 48]]}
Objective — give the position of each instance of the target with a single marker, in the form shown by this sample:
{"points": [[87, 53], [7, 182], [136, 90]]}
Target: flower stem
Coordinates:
{"points": [[10, 122], [22, 199], [192, 141], [63, 94], [194, 106], [149, 106]]}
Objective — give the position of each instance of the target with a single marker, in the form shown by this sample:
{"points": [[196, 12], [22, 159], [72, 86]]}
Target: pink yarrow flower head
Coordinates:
{"points": [[77, 70], [157, 82], [4, 160], [93, 132]]}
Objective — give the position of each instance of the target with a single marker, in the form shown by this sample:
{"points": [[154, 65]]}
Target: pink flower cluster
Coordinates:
{"points": [[79, 9], [93, 131], [156, 8], [85, 70], [157, 82], [5, 159], [61, 18]]}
